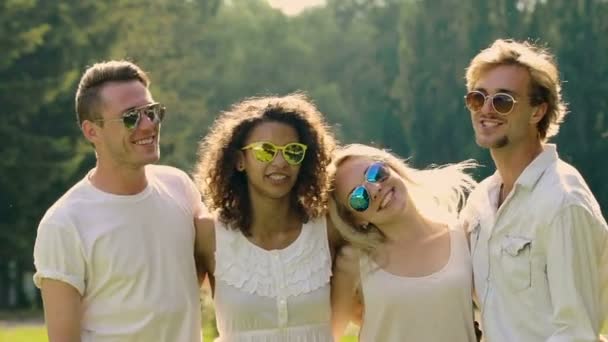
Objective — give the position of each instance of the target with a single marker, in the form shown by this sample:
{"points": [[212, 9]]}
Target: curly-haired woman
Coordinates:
{"points": [[267, 251]]}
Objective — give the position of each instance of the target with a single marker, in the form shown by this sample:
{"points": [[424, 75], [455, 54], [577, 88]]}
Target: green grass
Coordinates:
{"points": [[23, 334]]}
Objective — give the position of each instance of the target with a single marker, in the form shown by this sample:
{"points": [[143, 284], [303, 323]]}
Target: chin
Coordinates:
{"points": [[492, 143]]}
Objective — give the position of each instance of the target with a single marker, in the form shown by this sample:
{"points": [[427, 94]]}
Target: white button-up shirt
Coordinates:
{"points": [[540, 261]]}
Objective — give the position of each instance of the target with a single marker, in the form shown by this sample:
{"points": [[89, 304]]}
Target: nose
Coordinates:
{"points": [[145, 122], [279, 161], [374, 189], [487, 106]]}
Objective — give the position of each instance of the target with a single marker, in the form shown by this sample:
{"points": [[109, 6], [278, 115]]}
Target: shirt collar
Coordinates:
{"points": [[534, 170]]}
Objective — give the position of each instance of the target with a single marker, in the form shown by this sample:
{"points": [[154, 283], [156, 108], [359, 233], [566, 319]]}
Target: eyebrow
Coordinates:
{"points": [[137, 107], [499, 90]]}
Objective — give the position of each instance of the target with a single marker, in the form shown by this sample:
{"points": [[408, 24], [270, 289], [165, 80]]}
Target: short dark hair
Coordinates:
{"points": [[224, 189], [88, 99]]}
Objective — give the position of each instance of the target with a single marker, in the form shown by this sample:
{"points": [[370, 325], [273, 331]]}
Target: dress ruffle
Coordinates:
{"points": [[303, 266]]}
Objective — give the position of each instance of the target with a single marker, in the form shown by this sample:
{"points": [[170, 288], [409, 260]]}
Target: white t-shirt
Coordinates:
{"points": [[130, 257]]}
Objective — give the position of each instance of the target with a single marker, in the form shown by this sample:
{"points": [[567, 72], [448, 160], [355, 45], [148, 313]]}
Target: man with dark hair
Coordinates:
{"points": [[115, 254], [539, 243]]}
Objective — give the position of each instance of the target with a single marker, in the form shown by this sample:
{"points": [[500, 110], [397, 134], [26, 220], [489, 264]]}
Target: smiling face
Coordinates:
{"points": [[387, 197], [274, 179], [115, 144], [497, 131]]}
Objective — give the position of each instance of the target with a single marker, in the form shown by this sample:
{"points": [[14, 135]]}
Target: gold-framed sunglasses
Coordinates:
{"points": [[130, 118], [502, 103], [265, 151]]}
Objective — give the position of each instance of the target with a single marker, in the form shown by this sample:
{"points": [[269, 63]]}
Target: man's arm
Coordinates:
{"points": [[345, 301], [204, 247], [573, 243], [62, 310]]}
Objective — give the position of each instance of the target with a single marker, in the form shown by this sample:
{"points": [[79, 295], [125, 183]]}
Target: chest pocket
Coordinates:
{"points": [[516, 262]]}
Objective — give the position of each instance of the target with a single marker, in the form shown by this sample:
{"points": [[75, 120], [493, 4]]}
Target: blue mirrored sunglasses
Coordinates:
{"points": [[359, 198]]}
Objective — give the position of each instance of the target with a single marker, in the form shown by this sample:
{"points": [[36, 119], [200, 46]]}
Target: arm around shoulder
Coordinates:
{"points": [[204, 245], [345, 300]]}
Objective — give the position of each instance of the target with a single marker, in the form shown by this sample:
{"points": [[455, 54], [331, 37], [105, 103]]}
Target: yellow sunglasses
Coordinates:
{"points": [[265, 151]]}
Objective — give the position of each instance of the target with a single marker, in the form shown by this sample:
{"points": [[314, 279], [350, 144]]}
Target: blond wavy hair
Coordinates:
{"points": [[438, 193], [545, 84]]}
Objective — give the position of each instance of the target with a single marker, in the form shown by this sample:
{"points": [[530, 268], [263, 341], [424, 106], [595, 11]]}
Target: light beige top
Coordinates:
{"points": [[279, 295], [437, 307]]}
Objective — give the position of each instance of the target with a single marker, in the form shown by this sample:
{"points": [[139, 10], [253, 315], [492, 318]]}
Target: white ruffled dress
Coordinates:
{"points": [[273, 295]]}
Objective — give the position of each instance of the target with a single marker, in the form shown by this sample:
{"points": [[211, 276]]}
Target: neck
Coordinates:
{"points": [[119, 181], [409, 226], [511, 162], [271, 216]]}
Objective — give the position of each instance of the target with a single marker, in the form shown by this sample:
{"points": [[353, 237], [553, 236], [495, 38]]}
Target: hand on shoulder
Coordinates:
{"points": [[347, 261]]}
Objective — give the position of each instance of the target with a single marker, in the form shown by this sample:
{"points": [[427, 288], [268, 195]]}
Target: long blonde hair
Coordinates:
{"points": [[438, 193]]}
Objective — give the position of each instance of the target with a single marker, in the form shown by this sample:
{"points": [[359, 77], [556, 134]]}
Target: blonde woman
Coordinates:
{"points": [[408, 267]]}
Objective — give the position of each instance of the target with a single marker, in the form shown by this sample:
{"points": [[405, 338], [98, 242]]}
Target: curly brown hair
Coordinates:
{"points": [[225, 189]]}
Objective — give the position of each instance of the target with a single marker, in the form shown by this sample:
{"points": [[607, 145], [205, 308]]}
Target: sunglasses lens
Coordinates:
{"points": [[130, 119], [264, 152], [475, 100], [503, 103], [154, 113], [376, 173], [294, 153], [359, 199]]}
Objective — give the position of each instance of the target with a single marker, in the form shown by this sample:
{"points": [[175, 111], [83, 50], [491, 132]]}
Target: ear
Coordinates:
{"points": [[539, 113], [90, 131], [240, 161]]}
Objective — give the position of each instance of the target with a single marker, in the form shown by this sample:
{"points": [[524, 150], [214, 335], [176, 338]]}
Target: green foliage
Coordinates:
{"points": [[388, 72]]}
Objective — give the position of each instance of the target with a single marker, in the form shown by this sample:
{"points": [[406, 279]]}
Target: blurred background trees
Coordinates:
{"points": [[387, 72]]}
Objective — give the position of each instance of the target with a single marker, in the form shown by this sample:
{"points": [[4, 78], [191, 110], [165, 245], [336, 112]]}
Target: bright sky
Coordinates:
{"points": [[293, 7]]}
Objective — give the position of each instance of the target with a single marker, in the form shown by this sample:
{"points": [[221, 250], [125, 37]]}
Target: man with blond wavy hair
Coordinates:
{"points": [[539, 243]]}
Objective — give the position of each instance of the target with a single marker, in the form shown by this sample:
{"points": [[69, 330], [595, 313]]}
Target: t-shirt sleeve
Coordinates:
{"points": [[58, 255], [194, 198]]}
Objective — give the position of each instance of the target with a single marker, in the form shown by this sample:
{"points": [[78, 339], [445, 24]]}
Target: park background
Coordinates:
{"points": [[386, 72]]}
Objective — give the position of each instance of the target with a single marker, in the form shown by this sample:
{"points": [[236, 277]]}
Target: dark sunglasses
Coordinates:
{"points": [[154, 111], [265, 151], [359, 198], [502, 103]]}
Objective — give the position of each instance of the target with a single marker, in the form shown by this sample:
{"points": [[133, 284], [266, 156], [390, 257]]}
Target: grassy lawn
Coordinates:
{"points": [[23, 334], [28, 326]]}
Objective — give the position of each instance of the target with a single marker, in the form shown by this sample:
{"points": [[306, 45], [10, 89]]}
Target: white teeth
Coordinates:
{"points": [[386, 199], [486, 123], [277, 177], [144, 141]]}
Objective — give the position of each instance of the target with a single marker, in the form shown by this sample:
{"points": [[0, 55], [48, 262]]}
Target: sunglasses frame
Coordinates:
{"points": [[277, 148], [364, 193], [159, 115], [491, 97]]}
